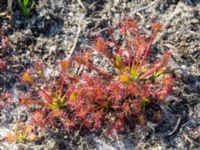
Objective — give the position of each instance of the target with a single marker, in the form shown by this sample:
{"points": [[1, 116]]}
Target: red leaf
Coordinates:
{"points": [[101, 45], [39, 118], [39, 66], [157, 27], [137, 106], [97, 119], [69, 123], [157, 65]]}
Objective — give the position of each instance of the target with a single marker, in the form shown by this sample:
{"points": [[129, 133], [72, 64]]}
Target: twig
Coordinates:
{"points": [[9, 5], [6, 14], [76, 135], [168, 45], [193, 142], [75, 42], [80, 3], [98, 32], [143, 8], [3, 14], [176, 126]]}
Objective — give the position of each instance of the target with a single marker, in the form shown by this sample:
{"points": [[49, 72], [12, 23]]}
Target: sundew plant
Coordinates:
{"points": [[98, 99]]}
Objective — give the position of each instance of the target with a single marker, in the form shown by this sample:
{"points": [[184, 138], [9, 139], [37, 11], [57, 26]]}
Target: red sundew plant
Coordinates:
{"points": [[49, 95], [95, 103], [136, 88], [105, 100]]}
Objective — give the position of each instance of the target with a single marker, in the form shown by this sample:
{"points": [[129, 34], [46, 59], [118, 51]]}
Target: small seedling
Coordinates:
{"points": [[21, 134], [26, 7]]}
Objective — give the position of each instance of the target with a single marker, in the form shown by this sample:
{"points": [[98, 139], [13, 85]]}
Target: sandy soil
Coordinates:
{"points": [[57, 29]]}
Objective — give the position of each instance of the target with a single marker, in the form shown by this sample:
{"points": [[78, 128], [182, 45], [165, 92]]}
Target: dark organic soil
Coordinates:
{"points": [[56, 27]]}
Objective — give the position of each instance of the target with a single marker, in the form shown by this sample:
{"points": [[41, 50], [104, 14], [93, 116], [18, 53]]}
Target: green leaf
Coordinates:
{"points": [[20, 3], [156, 75], [21, 138], [119, 61], [24, 6], [134, 72], [33, 5], [145, 103], [26, 3]]}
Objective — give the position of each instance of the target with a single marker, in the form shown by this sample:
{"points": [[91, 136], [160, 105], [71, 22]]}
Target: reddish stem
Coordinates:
{"points": [[113, 39], [146, 52], [43, 91], [62, 83], [90, 65]]}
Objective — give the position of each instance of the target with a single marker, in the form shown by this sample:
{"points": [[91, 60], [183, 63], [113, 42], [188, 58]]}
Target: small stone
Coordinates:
{"points": [[184, 67], [197, 86]]}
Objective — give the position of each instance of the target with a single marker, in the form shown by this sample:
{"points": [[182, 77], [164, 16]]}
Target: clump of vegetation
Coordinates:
{"points": [[21, 133], [26, 6], [48, 94], [131, 94]]}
